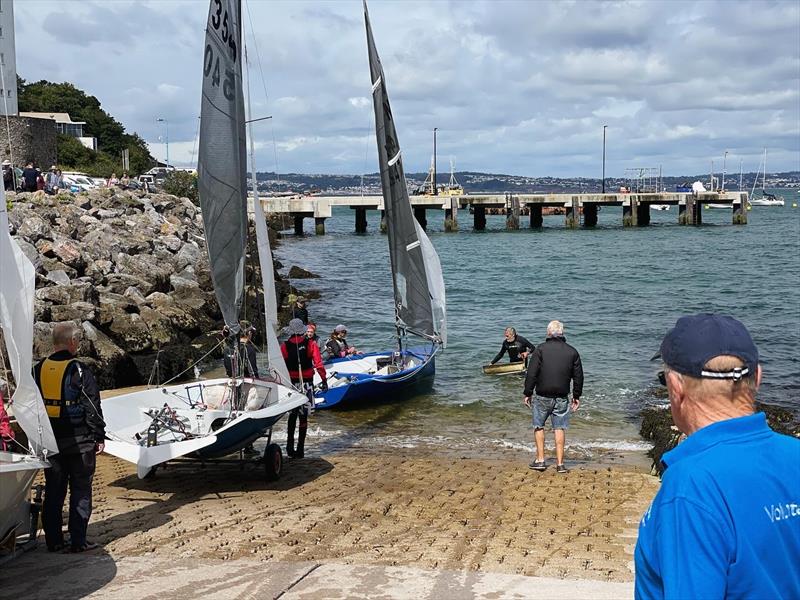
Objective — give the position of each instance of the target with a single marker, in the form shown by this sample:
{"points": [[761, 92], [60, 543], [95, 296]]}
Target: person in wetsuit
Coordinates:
{"points": [[247, 354], [302, 359], [518, 347], [337, 346]]}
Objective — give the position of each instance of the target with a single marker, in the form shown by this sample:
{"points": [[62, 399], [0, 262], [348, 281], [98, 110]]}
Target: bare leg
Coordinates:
{"points": [[538, 435], [559, 446]]}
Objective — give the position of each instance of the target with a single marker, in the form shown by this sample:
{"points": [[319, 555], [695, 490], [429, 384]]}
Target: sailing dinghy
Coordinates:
{"points": [[419, 294], [217, 417], [18, 469]]}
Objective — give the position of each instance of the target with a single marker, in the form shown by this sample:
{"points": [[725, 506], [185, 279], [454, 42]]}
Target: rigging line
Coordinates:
{"points": [[263, 82]]}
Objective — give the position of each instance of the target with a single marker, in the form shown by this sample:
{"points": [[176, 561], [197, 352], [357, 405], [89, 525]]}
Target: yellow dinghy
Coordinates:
{"points": [[504, 369]]}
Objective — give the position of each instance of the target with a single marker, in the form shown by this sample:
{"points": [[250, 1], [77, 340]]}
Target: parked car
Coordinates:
{"points": [[147, 181]]}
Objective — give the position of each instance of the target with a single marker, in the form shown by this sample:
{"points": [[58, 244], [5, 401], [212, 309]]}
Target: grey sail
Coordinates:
{"points": [[222, 161], [416, 273]]}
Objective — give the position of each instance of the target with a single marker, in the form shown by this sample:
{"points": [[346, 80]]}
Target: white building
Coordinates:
{"points": [[8, 60], [64, 124]]}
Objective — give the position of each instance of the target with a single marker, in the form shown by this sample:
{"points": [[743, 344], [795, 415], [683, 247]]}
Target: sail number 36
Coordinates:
{"points": [[220, 22]]}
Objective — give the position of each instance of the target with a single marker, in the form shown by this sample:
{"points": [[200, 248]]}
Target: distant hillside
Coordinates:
{"points": [[476, 183]]}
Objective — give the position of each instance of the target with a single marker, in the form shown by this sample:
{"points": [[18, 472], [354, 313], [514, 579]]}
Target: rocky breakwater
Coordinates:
{"points": [[131, 268]]}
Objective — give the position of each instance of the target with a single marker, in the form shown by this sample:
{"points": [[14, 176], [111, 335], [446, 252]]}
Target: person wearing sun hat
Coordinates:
{"points": [[726, 521], [302, 358]]}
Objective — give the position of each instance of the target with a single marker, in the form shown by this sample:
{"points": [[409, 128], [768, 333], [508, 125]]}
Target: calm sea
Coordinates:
{"points": [[616, 290]]}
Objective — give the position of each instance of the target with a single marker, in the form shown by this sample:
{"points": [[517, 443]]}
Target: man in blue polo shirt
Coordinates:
{"points": [[726, 521]]}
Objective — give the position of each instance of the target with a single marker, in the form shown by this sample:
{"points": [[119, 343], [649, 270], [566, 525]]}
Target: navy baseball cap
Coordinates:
{"points": [[696, 339]]}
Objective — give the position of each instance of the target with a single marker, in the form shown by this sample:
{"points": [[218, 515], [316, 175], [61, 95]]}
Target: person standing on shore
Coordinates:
{"points": [[29, 177], [726, 521], [299, 310], [302, 359], [552, 367], [518, 347], [72, 400]]}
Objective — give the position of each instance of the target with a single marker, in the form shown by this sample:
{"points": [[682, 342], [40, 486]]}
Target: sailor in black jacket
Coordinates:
{"points": [[553, 366], [517, 347], [72, 400]]}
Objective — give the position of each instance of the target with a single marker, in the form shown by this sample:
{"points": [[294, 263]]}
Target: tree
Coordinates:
{"points": [[45, 96], [182, 184]]}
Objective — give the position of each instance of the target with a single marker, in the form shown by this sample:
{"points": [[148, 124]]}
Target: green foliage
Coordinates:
{"points": [[183, 184], [45, 96]]}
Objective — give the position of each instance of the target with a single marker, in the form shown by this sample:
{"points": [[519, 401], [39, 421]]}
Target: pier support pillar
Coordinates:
{"points": [[421, 216], [690, 213], [512, 212], [590, 215], [298, 224], [361, 220], [451, 216], [319, 225], [573, 214], [642, 215], [383, 221], [629, 213], [479, 218], [536, 215], [739, 214]]}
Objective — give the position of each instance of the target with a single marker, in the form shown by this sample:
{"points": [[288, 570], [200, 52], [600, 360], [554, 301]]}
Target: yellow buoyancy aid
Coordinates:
{"points": [[52, 377]]}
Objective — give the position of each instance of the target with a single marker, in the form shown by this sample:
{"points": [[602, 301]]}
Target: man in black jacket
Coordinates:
{"points": [[518, 347], [299, 310], [72, 400], [553, 366]]}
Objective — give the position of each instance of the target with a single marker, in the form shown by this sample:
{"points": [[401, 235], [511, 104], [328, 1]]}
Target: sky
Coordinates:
{"points": [[521, 88]]}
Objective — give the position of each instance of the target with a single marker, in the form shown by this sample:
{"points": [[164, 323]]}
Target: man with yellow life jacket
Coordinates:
{"points": [[72, 400], [302, 357]]}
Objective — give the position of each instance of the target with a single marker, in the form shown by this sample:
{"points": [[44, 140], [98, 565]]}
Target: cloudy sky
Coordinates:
{"points": [[514, 87]]}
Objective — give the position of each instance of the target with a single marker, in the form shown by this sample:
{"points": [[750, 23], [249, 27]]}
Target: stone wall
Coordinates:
{"points": [[31, 140]]}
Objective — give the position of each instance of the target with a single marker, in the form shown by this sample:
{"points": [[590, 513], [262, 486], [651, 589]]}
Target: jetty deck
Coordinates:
{"points": [[580, 210]]}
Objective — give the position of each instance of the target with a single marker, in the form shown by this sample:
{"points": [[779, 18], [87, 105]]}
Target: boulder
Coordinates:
{"points": [[77, 311], [159, 299], [42, 339], [33, 228], [131, 332], [68, 251], [119, 282], [189, 254], [136, 296], [111, 305], [155, 274], [58, 276], [78, 291], [170, 242], [162, 329], [98, 269], [30, 251], [298, 273]]}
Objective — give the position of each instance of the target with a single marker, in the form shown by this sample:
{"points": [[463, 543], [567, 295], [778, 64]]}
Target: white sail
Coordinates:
{"points": [[274, 355], [17, 287], [222, 161]]}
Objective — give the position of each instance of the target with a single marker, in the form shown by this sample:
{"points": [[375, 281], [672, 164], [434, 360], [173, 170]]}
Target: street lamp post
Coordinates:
{"points": [[724, 162], [166, 126], [604, 158], [435, 187]]}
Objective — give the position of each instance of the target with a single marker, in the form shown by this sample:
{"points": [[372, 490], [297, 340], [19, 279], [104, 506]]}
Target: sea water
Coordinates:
{"points": [[617, 290]]}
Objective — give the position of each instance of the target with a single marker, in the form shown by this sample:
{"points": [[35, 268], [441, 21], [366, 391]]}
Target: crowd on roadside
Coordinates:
{"points": [[31, 179]]}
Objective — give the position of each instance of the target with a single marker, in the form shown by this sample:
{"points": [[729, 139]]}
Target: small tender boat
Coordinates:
{"points": [[419, 295], [210, 419], [18, 469], [504, 369]]}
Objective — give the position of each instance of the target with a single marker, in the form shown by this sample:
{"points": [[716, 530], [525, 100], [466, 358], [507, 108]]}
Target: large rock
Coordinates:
{"points": [[112, 305], [131, 332], [299, 273], [153, 274], [113, 363], [77, 311], [78, 291], [33, 228]]}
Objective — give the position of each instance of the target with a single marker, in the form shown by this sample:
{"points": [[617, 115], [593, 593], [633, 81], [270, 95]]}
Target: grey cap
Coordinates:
{"points": [[296, 327], [339, 328]]}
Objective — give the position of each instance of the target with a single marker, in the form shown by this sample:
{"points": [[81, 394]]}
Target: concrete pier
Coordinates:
{"points": [[635, 208]]}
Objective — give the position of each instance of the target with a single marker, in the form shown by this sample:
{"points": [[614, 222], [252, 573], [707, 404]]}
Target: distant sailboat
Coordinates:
{"points": [[216, 417], [418, 284], [766, 198]]}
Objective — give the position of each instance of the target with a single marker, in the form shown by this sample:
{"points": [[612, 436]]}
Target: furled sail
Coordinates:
{"points": [[222, 162], [17, 287], [416, 273]]}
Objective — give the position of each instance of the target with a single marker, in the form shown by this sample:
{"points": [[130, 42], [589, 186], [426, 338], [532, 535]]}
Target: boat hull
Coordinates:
{"points": [[350, 387], [17, 472], [201, 423]]}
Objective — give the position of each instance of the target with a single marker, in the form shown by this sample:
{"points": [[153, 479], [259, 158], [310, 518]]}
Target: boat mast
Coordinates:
{"points": [[764, 179]]}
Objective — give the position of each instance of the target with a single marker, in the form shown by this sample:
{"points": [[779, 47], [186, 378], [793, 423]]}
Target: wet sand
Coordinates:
{"points": [[391, 508]]}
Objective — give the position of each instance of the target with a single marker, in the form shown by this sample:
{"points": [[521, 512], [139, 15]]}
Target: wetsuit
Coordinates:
{"points": [[514, 349], [302, 359], [337, 347], [300, 312], [72, 400]]}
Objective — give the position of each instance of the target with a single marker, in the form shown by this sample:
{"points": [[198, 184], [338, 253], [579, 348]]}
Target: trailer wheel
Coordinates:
{"points": [[273, 462]]}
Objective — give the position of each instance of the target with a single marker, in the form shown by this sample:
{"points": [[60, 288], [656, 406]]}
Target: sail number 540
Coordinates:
{"points": [[211, 67]]}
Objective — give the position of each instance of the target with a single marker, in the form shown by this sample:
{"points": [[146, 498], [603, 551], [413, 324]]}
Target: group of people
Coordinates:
{"points": [[726, 521], [336, 346]]}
